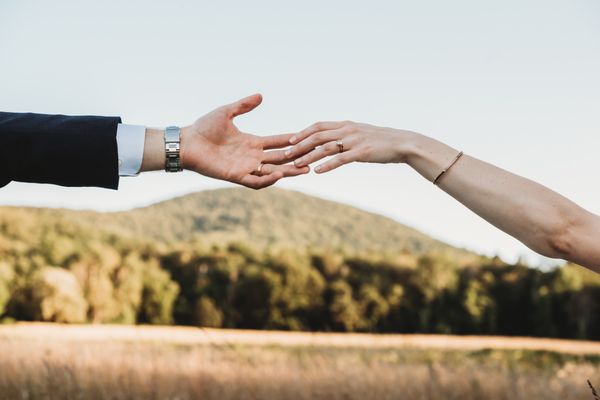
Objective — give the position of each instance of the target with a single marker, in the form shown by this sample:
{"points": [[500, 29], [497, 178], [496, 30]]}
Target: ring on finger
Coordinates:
{"points": [[340, 145], [259, 168]]}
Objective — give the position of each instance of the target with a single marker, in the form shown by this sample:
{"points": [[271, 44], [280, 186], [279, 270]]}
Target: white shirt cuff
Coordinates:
{"points": [[130, 148]]}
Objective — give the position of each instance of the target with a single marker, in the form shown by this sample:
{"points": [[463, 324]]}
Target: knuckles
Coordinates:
{"points": [[330, 147], [224, 111], [350, 127], [316, 138]]}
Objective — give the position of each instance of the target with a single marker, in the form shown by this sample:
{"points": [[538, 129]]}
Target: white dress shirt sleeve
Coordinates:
{"points": [[130, 148]]}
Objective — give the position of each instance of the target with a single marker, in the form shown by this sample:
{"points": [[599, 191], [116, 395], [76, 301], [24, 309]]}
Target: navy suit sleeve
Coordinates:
{"points": [[59, 149]]}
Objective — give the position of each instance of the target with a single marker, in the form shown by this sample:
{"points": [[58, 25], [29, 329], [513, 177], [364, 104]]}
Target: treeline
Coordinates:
{"points": [[63, 274], [237, 288]]}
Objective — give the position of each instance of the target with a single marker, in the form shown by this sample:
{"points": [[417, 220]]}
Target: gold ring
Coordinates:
{"points": [[340, 145], [259, 168]]}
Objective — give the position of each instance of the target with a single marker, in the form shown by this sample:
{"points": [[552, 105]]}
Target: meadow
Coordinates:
{"points": [[98, 362]]}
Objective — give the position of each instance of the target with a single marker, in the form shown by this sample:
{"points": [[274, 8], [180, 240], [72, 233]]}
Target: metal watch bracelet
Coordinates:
{"points": [[172, 149]]}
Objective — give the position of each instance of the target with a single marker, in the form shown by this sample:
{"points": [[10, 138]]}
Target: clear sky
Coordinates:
{"points": [[516, 83]]}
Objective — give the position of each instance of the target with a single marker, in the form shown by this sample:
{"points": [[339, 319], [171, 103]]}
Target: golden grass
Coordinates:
{"points": [[44, 361]]}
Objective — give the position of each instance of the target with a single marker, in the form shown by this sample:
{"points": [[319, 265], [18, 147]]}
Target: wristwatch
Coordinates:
{"points": [[172, 156]]}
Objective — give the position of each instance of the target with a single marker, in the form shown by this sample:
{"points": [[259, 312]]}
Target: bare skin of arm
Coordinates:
{"points": [[542, 219]]}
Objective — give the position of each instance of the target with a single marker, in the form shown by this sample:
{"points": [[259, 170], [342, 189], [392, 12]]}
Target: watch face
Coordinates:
{"points": [[172, 134]]}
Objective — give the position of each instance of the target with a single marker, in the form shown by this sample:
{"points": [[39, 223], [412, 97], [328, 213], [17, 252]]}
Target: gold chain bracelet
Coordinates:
{"points": [[435, 181]]}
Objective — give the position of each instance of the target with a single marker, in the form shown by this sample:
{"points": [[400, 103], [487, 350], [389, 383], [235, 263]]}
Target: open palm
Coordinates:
{"points": [[215, 147]]}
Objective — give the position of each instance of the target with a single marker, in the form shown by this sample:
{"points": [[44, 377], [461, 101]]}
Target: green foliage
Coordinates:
{"points": [[127, 280], [255, 298], [120, 274], [566, 280], [266, 218], [374, 307], [94, 271], [477, 302], [207, 313], [158, 296], [53, 295], [6, 277], [343, 310]]}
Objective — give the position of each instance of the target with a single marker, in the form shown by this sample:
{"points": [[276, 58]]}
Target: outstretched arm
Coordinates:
{"points": [[542, 219], [95, 151]]}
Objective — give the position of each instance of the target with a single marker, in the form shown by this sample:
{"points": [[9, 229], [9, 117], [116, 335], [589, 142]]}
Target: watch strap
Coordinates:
{"points": [[172, 149]]}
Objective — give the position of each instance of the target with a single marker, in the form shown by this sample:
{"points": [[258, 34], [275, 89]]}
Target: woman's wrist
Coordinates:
{"points": [[426, 155], [405, 145]]}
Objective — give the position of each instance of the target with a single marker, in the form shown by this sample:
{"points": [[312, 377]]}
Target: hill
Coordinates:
{"points": [[269, 218]]}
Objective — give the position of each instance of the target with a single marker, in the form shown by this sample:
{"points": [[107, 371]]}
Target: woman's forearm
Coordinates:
{"points": [[544, 220], [541, 218]]}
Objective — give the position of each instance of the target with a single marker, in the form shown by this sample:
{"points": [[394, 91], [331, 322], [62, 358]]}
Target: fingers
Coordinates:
{"points": [[271, 174], [280, 157], [335, 162], [286, 170], [275, 141], [244, 105], [326, 150], [275, 157], [317, 139], [314, 128], [259, 182]]}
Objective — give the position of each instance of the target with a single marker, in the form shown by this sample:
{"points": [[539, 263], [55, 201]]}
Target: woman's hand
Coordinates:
{"points": [[353, 141]]}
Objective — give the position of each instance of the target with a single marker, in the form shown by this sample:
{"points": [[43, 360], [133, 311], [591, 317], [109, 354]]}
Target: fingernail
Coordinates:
{"points": [[318, 169], [293, 139], [288, 153], [298, 162]]}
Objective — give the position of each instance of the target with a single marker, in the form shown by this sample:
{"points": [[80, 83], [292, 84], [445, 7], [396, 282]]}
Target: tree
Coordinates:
{"points": [[298, 302], [435, 280], [128, 283], [254, 298], [158, 296], [477, 302], [343, 311], [207, 313], [94, 267], [6, 277], [53, 295], [373, 306]]}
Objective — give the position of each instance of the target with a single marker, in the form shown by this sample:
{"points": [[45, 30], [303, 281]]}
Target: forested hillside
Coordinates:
{"points": [[272, 218], [284, 261]]}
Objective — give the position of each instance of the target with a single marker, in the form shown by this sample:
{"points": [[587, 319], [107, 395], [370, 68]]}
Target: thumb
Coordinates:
{"points": [[245, 105]]}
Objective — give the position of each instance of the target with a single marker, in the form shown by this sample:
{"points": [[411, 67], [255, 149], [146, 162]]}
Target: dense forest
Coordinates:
{"points": [[56, 268]]}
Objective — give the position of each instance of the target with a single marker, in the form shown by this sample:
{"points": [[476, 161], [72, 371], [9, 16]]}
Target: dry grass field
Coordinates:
{"points": [[43, 361]]}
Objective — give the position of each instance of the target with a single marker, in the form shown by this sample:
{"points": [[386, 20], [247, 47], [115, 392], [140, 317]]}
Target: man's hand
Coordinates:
{"points": [[213, 146]]}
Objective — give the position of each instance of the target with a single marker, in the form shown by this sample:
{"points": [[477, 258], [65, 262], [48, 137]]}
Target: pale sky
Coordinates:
{"points": [[514, 83]]}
